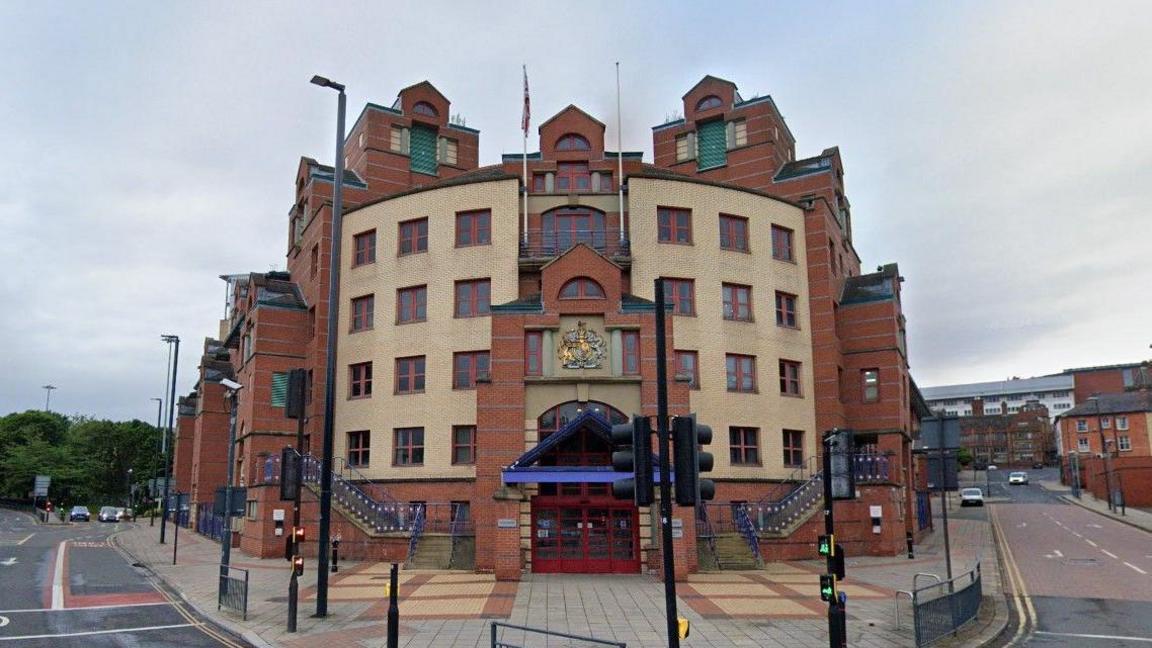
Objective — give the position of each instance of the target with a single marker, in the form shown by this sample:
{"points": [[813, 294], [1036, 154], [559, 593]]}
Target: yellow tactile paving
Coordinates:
{"points": [[366, 579], [718, 578], [453, 589], [733, 589], [355, 593], [463, 578], [442, 607], [762, 607]]}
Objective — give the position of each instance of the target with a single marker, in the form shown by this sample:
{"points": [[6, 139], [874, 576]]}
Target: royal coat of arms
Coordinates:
{"points": [[581, 348]]}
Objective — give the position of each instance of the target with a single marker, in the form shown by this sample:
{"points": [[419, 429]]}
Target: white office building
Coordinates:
{"points": [[1057, 393]]}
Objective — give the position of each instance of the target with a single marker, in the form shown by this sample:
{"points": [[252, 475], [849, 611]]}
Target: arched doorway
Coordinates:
{"points": [[578, 527]]}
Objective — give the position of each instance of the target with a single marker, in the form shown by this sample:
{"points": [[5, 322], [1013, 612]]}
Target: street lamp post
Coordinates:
{"points": [[1103, 452], [330, 355], [152, 489], [174, 346], [48, 396], [128, 489], [233, 395]]}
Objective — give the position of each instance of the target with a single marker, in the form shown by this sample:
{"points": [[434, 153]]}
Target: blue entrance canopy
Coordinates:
{"points": [[565, 474]]}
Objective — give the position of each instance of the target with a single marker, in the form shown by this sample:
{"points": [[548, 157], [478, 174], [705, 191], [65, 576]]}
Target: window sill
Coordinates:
{"points": [[686, 243], [415, 321], [711, 168], [733, 249], [407, 393], [785, 326], [788, 395], [737, 319], [792, 260], [360, 265], [365, 397], [411, 465], [472, 245], [743, 391], [414, 253]]}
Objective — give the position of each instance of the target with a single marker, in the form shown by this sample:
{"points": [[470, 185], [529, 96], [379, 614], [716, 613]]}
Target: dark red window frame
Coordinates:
{"points": [[469, 445], [674, 225], [408, 446], [709, 102], [783, 240], [693, 370], [737, 302], [744, 446], [412, 304], [733, 233], [467, 366], [790, 384], [793, 444], [473, 298], [573, 142], [364, 245], [582, 288], [362, 313], [681, 293], [360, 380], [534, 353], [573, 177], [741, 372], [474, 228], [413, 237], [359, 447], [410, 377], [631, 352], [786, 310], [314, 261]]}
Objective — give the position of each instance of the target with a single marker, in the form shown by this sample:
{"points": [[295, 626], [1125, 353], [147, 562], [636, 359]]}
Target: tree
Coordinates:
{"points": [[964, 456]]}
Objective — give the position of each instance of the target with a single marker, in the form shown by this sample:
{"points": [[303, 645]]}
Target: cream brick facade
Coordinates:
{"points": [[709, 334], [440, 407]]}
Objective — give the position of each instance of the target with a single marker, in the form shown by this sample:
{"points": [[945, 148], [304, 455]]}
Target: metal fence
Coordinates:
{"points": [[208, 523], [500, 640], [234, 591], [941, 608]]}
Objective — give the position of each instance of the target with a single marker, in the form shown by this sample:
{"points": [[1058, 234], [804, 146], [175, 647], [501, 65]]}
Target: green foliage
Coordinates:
{"points": [[87, 459], [964, 456]]}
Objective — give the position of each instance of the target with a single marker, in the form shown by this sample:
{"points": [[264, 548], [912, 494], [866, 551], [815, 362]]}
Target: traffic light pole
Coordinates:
{"points": [[837, 630], [665, 468]]}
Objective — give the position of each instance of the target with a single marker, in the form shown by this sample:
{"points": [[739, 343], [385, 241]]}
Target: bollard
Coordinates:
{"points": [[908, 538], [293, 593], [393, 609], [335, 555]]}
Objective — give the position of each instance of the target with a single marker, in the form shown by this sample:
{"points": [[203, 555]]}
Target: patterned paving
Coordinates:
{"points": [[782, 591], [424, 594]]}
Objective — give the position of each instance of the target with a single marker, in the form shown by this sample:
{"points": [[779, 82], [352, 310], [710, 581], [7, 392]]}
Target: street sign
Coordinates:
{"points": [[40, 489], [239, 500], [939, 430]]}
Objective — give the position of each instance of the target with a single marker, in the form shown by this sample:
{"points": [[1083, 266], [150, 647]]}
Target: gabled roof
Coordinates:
{"points": [[589, 419], [424, 83], [1134, 401], [873, 287], [325, 173], [807, 166], [580, 244], [570, 107], [708, 77]]}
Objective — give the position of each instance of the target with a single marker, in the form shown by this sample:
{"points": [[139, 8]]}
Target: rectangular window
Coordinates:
{"points": [[737, 133], [533, 353], [446, 151], [870, 383], [785, 310], [1124, 442], [413, 236], [733, 233], [675, 225], [422, 150], [410, 375], [737, 302], [1082, 444], [463, 444], [1121, 422], [279, 388], [713, 146], [741, 372], [688, 365], [539, 182], [681, 293], [474, 228], [399, 140], [606, 185], [790, 378], [743, 446], [360, 380], [412, 304], [1082, 425], [359, 447], [1106, 423], [782, 243], [473, 298], [468, 366], [365, 244], [408, 446], [631, 352], [685, 147], [793, 448], [362, 308], [573, 177], [314, 261]]}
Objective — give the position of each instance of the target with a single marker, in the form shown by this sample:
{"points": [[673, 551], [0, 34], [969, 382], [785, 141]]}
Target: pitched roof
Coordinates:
{"points": [[566, 109], [872, 287], [423, 83], [326, 173], [707, 77], [1134, 401], [807, 166]]}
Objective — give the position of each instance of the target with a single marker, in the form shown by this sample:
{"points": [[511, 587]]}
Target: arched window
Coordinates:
{"points": [[559, 416], [425, 108], [711, 101], [573, 142], [582, 288]]}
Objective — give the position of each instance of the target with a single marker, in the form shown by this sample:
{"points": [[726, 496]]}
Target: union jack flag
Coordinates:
{"points": [[527, 105]]}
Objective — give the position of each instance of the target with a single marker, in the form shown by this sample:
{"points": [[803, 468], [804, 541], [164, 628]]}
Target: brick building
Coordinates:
{"points": [[1021, 438], [1108, 441], [485, 349]]}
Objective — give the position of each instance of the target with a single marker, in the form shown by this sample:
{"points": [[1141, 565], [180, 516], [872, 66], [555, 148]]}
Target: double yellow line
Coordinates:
{"points": [[1024, 608]]}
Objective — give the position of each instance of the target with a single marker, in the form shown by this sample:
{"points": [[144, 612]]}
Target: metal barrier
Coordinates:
{"points": [[941, 608], [234, 592], [209, 524], [498, 640]]}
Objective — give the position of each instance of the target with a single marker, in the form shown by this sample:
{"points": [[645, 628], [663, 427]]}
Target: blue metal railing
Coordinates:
{"points": [[417, 531], [748, 530]]}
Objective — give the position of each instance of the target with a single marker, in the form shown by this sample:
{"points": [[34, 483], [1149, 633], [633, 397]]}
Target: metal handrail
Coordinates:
{"points": [[915, 579], [709, 532], [775, 517], [417, 531], [896, 603], [748, 530]]}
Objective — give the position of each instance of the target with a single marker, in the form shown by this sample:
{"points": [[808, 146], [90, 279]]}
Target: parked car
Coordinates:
{"points": [[124, 514], [971, 497], [79, 514], [1038, 466], [108, 514], [992, 467], [1018, 478]]}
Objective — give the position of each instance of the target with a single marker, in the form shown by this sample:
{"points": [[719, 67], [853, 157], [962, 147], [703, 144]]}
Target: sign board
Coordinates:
{"points": [[677, 533], [239, 500], [839, 446], [178, 500], [289, 474], [951, 469], [875, 511], [40, 489], [277, 515], [937, 430], [506, 523], [677, 523]]}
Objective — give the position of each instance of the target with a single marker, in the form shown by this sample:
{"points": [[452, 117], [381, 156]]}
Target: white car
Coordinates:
{"points": [[1018, 478], [971, 497]]}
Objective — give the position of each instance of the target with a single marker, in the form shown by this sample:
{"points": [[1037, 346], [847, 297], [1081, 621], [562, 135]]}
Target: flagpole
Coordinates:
{"points": [[620, 154], [525, 119]]}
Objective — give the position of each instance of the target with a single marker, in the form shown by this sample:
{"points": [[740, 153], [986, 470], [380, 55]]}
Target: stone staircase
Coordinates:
{"points": [[733, 553], [434, 551]]}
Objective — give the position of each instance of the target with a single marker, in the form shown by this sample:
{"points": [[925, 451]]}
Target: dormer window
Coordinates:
{"points": [[582, 288], [711, 101], [573, 142], [425, 108]]}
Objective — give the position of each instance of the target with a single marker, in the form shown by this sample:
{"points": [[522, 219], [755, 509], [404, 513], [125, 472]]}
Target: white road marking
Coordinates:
{"points": [[98, 632], [1094, 526], [1057, 552], [1110, 554], [26, 539], [1021, 525], [9, 562], [1091, 543], [1094, 636], [3, 621], [1136, 568], [1077, 534], [89, 607], [58, 579]]}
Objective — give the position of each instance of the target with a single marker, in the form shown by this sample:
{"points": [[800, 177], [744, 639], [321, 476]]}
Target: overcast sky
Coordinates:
{"points": [[999, 152]]}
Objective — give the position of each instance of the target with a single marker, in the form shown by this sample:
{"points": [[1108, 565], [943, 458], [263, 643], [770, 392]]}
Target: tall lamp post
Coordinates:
{"points": [[48, 396], [233, 396], [174, 346], [128, 489], [152, 488], [1103, 452], [330, 356]]}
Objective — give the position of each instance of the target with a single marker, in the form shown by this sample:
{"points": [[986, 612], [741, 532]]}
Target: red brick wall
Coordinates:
{"points": [[1100, 381]]}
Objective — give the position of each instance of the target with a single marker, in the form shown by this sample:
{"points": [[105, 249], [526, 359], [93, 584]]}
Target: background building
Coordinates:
{"points": [[1019, 439]]}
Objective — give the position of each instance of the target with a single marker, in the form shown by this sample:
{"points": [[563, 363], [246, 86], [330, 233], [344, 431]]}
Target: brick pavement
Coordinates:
{"points": [[776, 607]]}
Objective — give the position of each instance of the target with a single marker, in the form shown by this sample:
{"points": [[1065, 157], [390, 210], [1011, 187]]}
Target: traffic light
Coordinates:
{"points": [[637, 459], [298, 565], [827, 588], [298, 534], [826, 545], [690, 461], [839, 449]]}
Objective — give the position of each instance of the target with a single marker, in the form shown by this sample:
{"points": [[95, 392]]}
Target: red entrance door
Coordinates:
{"points": [[596, 538]]}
